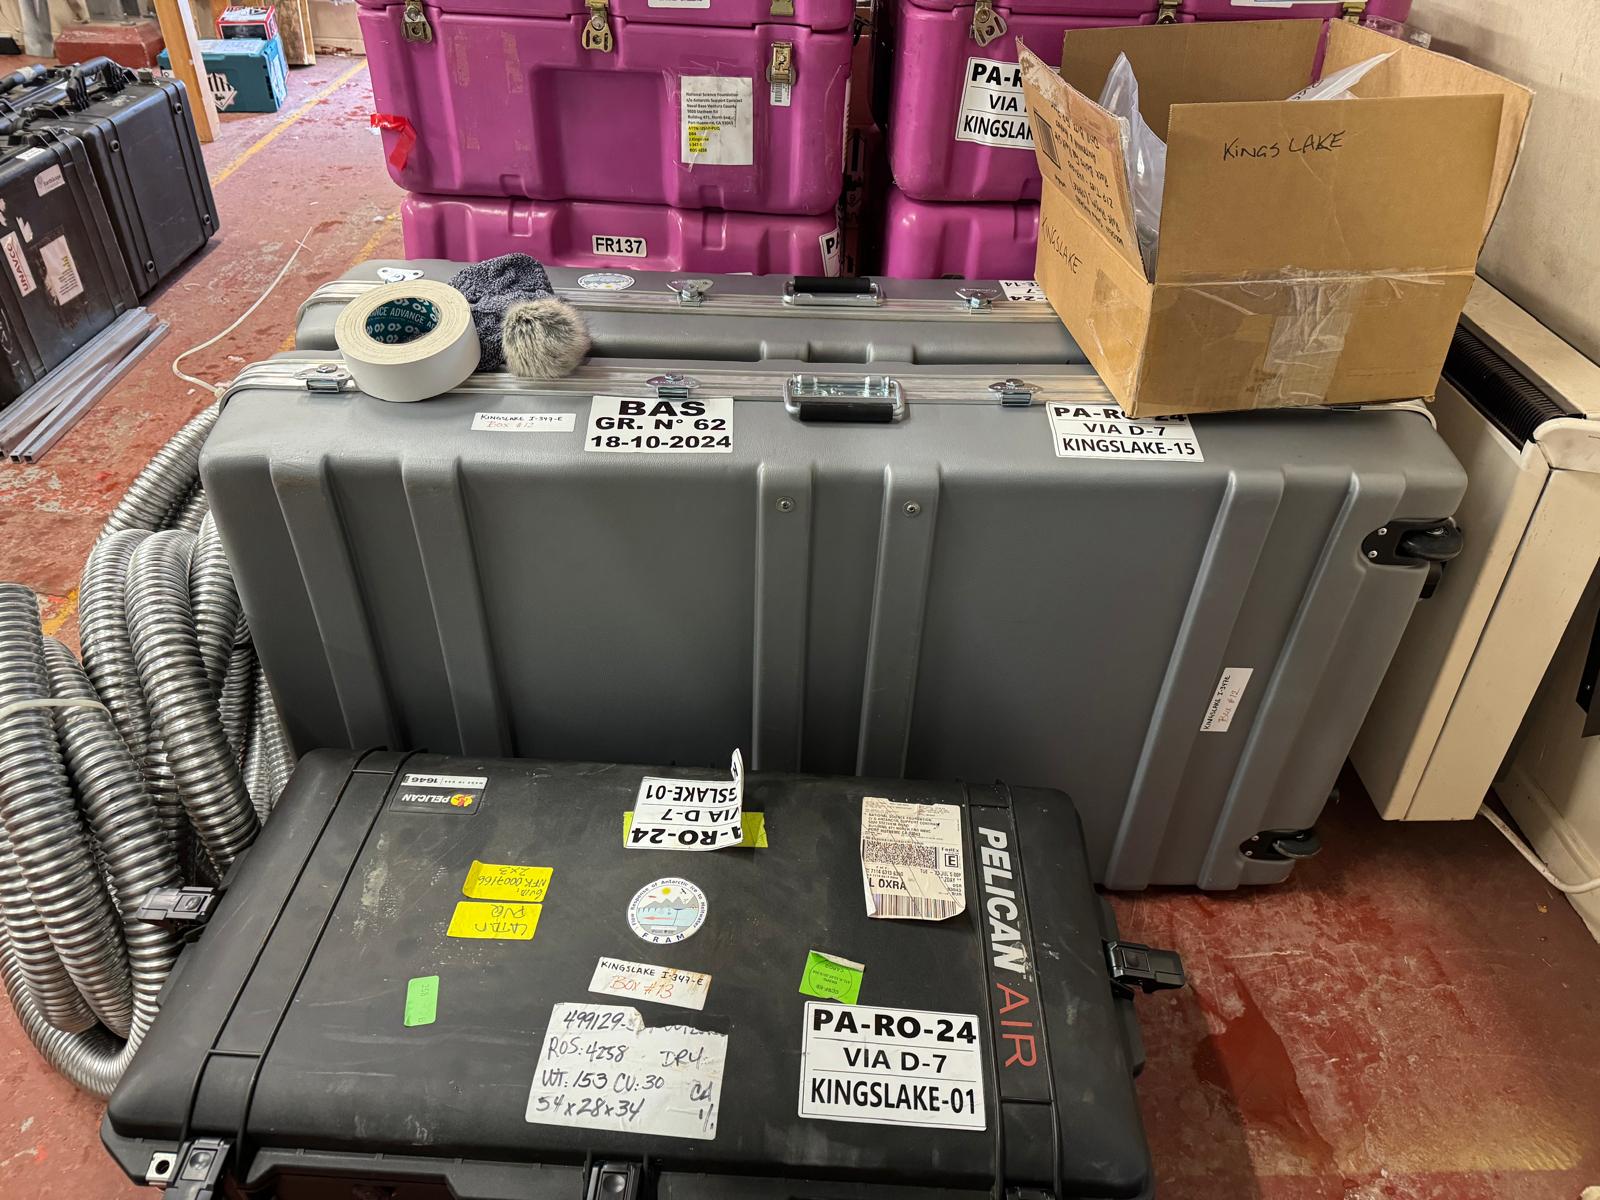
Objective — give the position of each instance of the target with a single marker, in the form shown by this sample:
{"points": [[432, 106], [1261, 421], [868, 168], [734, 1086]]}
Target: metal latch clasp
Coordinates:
{"points": [[414, 25], [1354, 10], [781, 8], [327, 377], [674, 386], [690, 291], [1138, 966], [1013, 393], [1167, 12], [986, 23], [597, 31], [780, 66], [978, 299]]}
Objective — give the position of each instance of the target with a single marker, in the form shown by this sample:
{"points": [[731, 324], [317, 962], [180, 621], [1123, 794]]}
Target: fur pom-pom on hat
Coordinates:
{"points": [[543, 339]]}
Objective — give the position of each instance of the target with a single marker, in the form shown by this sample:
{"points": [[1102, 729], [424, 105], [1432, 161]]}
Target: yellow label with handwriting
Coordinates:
{"points": [[500, 881], [505, 921]]}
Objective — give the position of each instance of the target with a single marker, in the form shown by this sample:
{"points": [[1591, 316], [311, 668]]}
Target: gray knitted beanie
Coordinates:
{"points": [[522, 325]]}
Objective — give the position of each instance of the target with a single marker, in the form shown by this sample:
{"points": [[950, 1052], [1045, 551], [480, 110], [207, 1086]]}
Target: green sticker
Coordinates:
{"points": [[422, 1000], [829, 977]]}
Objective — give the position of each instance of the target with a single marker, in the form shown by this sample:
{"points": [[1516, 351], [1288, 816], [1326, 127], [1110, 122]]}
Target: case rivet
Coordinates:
{"points": [[785, 504], [912, 508], [1372, 554]]}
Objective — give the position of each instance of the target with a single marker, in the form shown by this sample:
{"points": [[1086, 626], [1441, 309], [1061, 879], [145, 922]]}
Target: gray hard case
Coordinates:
{"points": [[939, 596]]}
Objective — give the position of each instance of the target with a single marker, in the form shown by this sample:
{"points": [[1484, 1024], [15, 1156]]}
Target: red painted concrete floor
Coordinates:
{"points": [[1414, 1016]]}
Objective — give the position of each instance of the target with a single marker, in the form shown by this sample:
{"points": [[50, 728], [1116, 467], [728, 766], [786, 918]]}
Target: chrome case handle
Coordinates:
{"points": [[858, 399]]}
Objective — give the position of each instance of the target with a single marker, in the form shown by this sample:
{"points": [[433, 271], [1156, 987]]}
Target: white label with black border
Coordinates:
{"points": [[660, 425], [1100, 429], [611, 245], [524, 422], [689, 814], [891, 1066], [48, 181], [1225, 700], [830, 251], [1023, 289], [992, 112], [18, 262], [716, 119], [61, 278]]}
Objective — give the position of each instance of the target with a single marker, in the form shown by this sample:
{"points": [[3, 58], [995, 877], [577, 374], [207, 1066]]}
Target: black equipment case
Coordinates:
{"points": [[64, 279], [141, 140], [294, 1057]]}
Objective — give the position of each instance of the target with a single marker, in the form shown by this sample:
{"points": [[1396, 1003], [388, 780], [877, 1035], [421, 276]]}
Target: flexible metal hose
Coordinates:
{"points": [[166, 740]]}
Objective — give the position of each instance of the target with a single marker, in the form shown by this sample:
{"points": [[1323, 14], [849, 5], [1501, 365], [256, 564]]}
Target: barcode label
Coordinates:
{"points": [[911, 860], [917, 908], [901, 854]]}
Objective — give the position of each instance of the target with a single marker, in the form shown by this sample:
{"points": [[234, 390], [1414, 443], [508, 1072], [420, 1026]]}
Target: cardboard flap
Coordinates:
{"points": [[1079, 149], [1189, 63], [1413, 71], [1344, 186]]}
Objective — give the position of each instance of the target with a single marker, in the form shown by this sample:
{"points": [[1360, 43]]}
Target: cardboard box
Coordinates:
{"points": [[1311, 252]]}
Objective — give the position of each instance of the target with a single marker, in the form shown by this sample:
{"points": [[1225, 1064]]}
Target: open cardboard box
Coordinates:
{"points": [[1311, 252]]}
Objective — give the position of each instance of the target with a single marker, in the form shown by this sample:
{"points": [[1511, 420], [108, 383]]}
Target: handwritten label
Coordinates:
{"points": [[621, 979], [494, 920], [1303, 144], [1104, 431], [422, 1001], [829, 977], [524, 422], [689, 814], [1225, 700], [501, 881], [600, 1068], [891, 1066]]}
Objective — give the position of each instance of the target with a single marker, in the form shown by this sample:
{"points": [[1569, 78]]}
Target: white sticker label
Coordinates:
{"points": [[600, 1068], [465, 782], [398, 274], [624, 980], [780, 95], [891, 1066], [680, 3], [667, 911], [18, 262], [992, 112], [610, 245], [911, 860], [525, 422], [49, 180], [1023, 289], [658, 425], [605, 281], [61, 278], [830, 251], [30, 154], [689, 814], [717, 120], [1102, 430], [1225, 700]]}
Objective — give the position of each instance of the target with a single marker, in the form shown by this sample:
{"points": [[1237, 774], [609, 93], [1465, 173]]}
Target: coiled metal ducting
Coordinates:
{"points": [[149, 766]]}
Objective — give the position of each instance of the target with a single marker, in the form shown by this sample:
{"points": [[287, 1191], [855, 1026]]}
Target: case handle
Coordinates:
{"points": [[859, 399], [818, 291]]}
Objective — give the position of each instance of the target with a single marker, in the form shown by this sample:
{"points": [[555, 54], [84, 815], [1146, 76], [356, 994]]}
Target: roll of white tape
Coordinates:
{"points": [[408, 341]]}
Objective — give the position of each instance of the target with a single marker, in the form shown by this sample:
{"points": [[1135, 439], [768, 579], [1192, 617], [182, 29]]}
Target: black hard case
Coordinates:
{"points": [[281, 1032], [37, 332], [141, 140]]}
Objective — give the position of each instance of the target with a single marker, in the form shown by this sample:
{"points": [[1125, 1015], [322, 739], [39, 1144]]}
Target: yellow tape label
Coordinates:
{"points": [[506, 922], [501, 881]]}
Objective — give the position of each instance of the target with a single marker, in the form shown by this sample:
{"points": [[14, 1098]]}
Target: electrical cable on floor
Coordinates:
{"points": [[1582, 888], [217, 389]]}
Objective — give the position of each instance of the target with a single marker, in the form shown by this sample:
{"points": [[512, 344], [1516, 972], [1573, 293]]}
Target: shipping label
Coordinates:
{"points": [[911, 860], [689, 814], [891, 1066], [1102, 430], [992, 111], [624, 980], [717, 120]]}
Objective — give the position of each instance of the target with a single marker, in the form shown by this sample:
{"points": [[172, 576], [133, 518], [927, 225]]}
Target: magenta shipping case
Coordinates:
{"points": [[957, 126], [643, 237], [927, 240], [738, 106]]}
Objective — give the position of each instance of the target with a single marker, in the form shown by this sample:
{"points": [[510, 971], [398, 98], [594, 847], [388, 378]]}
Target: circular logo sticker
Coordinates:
{"points": [[667, 911], [605, 281]]}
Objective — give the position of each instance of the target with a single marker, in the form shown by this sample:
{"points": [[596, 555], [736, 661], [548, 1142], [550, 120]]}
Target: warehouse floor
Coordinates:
{"points": [[1415, 1016]]}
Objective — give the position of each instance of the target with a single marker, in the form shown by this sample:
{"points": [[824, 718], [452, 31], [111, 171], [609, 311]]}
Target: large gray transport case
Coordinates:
{"points": [[1185, 642]]}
